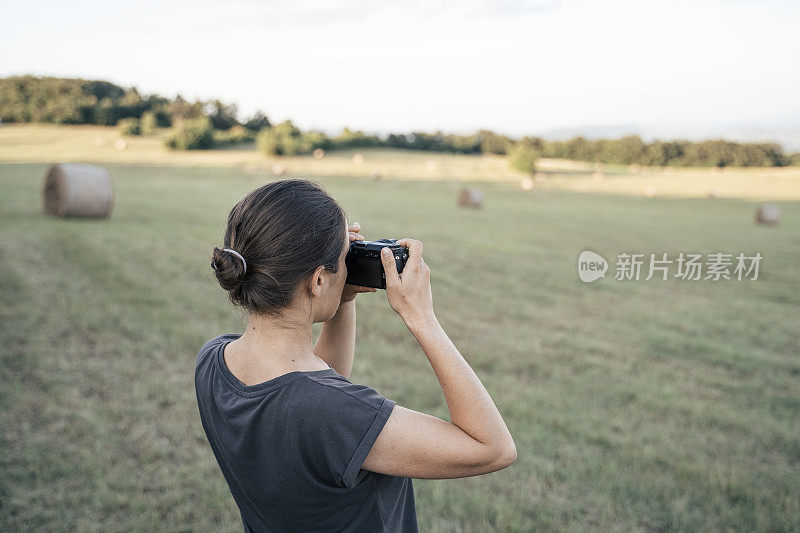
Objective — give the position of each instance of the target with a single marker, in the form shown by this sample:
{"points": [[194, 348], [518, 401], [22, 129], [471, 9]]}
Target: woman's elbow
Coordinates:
{"points": [[508, 455], [501, 457]]}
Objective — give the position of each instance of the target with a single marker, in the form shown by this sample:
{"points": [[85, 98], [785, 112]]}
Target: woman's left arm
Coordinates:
{"points": [[336, 343]]}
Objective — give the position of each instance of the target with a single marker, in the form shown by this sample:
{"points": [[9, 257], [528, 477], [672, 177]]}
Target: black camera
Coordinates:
{"points": [[364, 266]]}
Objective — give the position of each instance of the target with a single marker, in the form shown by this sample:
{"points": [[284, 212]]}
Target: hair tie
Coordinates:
{"points": [[237, 254]]}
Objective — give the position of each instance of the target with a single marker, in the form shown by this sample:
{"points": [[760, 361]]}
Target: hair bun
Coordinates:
{"points": [[228, 268], [284, 230]]}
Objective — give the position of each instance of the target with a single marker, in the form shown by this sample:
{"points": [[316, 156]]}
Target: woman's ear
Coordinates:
{"points": [[316, 281]]}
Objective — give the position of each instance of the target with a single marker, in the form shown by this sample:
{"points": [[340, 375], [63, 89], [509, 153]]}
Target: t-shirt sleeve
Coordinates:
{"points": [[342, 421]]}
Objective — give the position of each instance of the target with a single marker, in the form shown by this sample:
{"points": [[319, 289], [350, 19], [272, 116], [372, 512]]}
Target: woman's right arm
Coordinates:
{"points": [[414, 444]]}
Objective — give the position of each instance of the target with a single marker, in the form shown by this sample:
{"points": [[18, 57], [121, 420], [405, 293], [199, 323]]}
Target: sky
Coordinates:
{"points": [[659, 68]]}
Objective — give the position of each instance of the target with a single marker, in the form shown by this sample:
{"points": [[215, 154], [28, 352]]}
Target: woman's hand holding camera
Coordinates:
{"points": [[409, 293], [350, 292]]}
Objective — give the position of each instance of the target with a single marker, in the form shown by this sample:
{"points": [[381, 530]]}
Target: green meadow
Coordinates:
{"points": [[635, 405]]}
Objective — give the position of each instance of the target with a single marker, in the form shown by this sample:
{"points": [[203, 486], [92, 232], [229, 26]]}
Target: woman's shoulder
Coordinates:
{"points": [[216, 341], [338, 422], [332, 391], [209, 346]]}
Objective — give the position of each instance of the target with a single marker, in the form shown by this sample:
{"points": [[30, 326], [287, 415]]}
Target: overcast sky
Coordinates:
{"points": [[513, 66]]}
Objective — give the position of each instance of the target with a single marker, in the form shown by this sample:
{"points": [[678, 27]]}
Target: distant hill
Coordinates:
{"points": [[80, 101], [206, 124], [786, 133]]}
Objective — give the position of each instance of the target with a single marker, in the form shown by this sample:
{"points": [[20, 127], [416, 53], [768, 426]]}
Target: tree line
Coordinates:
{"points": [[78, 101], [632, 150], [206, 124]]}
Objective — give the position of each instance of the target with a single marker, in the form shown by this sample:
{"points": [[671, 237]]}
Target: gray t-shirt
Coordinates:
{"points": [[291, 449]]}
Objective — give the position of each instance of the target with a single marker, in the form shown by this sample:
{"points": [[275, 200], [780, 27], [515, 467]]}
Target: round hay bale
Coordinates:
{"points": [[319, 153], [472, 198], [431, 165], [377, 176], [649, 191], [278, 169], [121, 144], [526, 183], [358, 159], [78, 190], [768, 214]]}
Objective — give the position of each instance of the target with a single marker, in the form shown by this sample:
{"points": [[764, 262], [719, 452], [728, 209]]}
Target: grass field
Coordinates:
{"points": [[650, 405]]}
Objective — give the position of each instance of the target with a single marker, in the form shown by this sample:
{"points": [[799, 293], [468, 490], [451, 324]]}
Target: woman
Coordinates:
{"points": [[301, 447]]}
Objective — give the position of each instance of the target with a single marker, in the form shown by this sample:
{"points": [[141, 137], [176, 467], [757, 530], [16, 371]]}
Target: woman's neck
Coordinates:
{"points": [[279, 335], [271, 347]]}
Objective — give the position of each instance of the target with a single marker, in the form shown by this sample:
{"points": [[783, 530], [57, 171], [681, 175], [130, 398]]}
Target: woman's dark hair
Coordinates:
{"points": [[284, 230]]}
